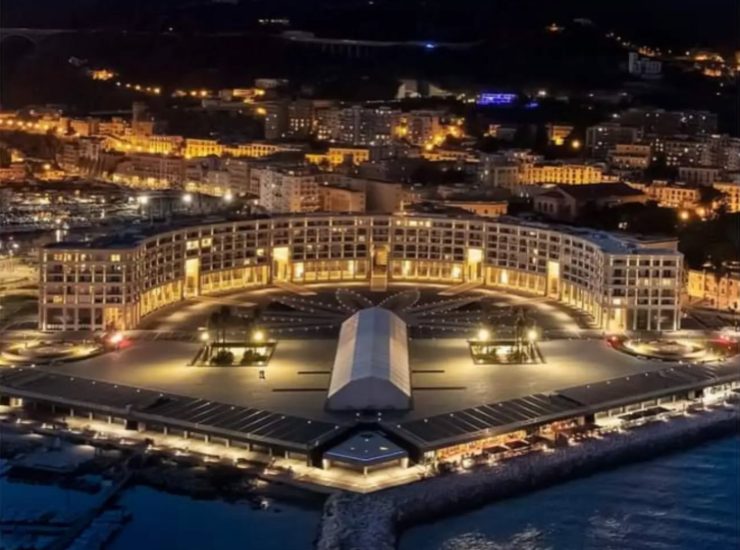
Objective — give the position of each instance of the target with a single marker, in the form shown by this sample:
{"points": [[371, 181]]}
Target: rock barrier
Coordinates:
{"points": [[374, 521]]}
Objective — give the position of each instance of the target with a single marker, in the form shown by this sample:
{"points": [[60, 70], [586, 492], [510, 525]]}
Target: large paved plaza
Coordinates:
{"points": [[443, 375]]}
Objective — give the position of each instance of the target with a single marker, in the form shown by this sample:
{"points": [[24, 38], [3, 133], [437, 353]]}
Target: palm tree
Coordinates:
{"points": [[218, 323]]}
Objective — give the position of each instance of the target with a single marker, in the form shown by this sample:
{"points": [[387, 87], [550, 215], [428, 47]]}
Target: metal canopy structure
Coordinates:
{"points": [[506, 416], [485, 420], [174, 411], [371, 367], [292, 433], [624, 390]]}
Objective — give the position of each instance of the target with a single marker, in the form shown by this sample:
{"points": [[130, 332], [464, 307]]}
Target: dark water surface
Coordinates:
{"points": [[163, 521], [688, 500]]}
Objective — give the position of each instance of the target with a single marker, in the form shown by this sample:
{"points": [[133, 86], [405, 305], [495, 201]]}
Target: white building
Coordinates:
{"points": [[119, 280], [371, 367], [357, 124], [288, 190]]}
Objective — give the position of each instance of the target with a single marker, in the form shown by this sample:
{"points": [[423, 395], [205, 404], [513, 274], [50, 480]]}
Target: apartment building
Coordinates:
{"points": [[341, 199], [731, 190], [288, 189], [565, 173], [717, 290], [674, 195], [630, 156], [116, 281]]}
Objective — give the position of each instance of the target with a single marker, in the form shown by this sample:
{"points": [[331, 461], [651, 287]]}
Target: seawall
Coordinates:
{"points": [[373, 522]]}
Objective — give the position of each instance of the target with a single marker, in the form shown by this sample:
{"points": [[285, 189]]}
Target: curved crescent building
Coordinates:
{"points": [[115, 282]]}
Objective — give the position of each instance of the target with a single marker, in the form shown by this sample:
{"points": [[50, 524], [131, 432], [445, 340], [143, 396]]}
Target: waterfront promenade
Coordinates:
{"points": [[363, 522]]}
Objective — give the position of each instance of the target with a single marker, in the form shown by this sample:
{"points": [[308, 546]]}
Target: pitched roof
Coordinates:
{"points": [[596, 191], [371, 366]]}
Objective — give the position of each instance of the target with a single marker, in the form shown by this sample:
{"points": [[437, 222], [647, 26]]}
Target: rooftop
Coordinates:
{"points": [[371, 367], [190, 413], [366, 448], [506, 416], [609, 242], [597, 191]]}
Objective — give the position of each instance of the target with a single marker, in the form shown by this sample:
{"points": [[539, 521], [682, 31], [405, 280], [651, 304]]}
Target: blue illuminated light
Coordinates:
{"points": [[496, 99], [430, 45]]}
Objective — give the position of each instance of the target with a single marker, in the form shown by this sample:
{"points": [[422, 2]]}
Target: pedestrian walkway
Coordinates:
{"points": [[294, 288], [461, 288], [379, 282]]}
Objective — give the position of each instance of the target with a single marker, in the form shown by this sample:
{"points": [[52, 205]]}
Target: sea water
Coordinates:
{"points": [[687, 500], [175, 522]]}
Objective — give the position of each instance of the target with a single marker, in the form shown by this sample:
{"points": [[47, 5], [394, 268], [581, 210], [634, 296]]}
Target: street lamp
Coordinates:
{"points": [[532, 335], [258, 336], [484, 335], [228, 197], [205, 336], [187, 198]]}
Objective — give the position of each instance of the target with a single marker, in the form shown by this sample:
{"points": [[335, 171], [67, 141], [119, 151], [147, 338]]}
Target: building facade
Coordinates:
{"points": [[731, 191], [288, 190], [717, 290], [567, 202], [570, 174], [600, 139], [630, 156], [117, 281]]}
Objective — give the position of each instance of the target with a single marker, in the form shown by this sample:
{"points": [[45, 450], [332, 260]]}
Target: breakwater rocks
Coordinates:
{"points": [[373, 522]]}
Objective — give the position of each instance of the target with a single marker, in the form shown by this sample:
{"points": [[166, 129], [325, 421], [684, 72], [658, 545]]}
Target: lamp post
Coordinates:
{"points": [[532, 337], [143, 201], [205, 337], [187, 200]]}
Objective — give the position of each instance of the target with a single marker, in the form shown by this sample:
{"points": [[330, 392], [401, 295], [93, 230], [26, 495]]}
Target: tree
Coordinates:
{"points": [[5, 157], [711, 199], [715, 241], [219, 321]]}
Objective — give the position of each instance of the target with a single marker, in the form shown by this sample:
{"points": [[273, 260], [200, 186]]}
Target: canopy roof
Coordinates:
{"points": [[371, 367]]}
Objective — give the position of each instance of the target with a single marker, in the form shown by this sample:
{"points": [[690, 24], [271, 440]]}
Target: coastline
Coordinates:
{"points": [[375, 522]]}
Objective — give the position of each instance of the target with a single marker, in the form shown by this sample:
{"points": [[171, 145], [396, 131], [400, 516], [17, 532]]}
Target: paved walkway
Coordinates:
{"points": [[289, 471]]}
